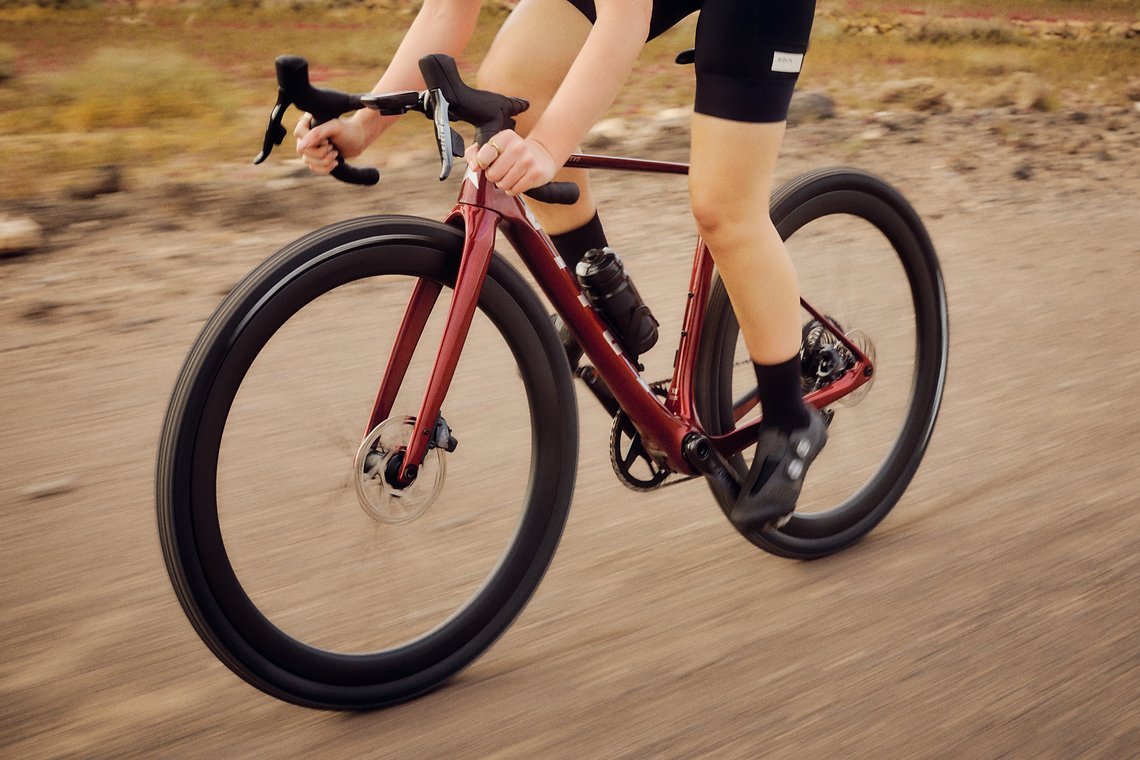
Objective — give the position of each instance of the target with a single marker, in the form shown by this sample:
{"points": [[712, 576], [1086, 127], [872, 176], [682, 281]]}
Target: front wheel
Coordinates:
{"points": [[304, 566], [866, 263]]}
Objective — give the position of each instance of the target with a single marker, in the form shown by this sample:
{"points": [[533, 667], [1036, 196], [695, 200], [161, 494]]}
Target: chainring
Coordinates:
{"points": [[633, 464]]}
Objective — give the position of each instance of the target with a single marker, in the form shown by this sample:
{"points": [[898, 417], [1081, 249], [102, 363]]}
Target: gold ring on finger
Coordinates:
{"points": [[493, 144]]}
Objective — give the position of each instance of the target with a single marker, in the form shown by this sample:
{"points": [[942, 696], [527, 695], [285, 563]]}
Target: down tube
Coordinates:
{"points": [[662, 432]]}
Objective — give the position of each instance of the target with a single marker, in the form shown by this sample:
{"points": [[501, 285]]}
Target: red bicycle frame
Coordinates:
{"points": [[664, 425]]}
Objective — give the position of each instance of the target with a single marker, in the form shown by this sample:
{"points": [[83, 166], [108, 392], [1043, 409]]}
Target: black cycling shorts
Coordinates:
{"points": [[749, 52]]}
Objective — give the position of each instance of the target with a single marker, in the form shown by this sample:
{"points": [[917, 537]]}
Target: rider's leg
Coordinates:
{"points": [[730, 180], [529, 58], [748, 59], [551, 32]]}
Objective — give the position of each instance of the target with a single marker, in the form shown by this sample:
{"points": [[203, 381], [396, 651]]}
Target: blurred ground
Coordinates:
{"points": [[992, 614]]}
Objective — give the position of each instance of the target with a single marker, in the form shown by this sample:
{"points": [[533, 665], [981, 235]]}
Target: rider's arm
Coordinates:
{"points": [[596, 76], [598, 72], [441, 26]]}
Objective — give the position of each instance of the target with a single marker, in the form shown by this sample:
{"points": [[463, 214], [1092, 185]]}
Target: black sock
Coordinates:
{"points": [[781, 395], [572, 245]]}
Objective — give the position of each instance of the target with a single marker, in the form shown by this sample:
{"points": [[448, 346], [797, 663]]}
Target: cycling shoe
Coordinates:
{"points": [[769, 491]]}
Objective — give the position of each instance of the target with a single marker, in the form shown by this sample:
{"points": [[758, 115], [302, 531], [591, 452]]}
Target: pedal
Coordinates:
{"points": [[708, 461]]}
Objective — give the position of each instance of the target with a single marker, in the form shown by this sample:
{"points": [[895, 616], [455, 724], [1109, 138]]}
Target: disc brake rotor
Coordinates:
{"points": [[380, 452]]}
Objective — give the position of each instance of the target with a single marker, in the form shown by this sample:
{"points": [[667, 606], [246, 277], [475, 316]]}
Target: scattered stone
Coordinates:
{"points": [[674, 116], [671, 126], [921, 94], [104, 180], [50, 488], [1023, 171], [42, 311], [810, 106], [1023, 92], [19, 236], [608, 133], [896, 121], [962, 165]]}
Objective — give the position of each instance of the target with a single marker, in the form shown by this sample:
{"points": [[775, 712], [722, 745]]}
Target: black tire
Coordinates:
{"points": [[844, 227], [269, 613]]}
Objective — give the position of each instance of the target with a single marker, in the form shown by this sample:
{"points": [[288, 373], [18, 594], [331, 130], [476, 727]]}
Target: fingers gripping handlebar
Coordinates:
{"points": [[490, 112], [446, 98], [293, 88]]}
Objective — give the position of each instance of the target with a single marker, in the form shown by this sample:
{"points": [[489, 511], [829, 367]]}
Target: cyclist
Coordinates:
{"points": [[569, 58]]}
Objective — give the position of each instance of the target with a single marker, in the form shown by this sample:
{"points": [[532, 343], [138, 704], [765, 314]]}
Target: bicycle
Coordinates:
{"points": [[244, 427]]}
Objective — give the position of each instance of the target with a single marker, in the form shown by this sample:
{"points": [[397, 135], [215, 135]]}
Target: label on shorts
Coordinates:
{"points": [[788, 63]]}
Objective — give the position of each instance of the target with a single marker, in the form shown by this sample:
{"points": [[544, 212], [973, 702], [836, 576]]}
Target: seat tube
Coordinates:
{"points": [[478, 247], [680, 398]]}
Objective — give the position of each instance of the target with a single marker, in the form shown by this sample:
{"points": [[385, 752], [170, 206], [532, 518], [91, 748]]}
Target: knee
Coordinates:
{"points": [[724, 217], [710, 215]]}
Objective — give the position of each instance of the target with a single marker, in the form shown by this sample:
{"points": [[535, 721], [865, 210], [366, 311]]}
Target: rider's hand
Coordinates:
{"points": [[315, 144], [515, 165]]}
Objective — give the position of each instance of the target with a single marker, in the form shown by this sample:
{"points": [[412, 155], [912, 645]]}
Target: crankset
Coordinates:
{"points": [[634, 465]]}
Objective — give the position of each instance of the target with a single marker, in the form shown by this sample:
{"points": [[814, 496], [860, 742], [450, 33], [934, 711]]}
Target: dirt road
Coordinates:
{"points": [[994, 613]]}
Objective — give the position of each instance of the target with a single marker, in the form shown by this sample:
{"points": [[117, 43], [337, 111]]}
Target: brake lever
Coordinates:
{"points": [[443, 131], [274, 132]]}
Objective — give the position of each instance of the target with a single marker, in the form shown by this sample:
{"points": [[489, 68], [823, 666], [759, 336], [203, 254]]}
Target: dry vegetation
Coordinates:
{"points": [[84, 84]]}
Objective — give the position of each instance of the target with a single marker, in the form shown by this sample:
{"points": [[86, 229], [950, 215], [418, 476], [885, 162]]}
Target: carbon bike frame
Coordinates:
{"points": [[665, 425]]}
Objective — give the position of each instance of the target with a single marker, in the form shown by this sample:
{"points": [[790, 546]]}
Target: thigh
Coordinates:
{"points": [[666, 13], [532, 53], [732, 165], [529, 58], [749, 56]]}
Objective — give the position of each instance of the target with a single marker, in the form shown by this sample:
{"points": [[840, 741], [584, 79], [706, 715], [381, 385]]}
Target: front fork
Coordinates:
{"points": [[478, 247]]}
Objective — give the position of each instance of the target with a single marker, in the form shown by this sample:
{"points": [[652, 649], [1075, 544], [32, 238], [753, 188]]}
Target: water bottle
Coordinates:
{"points": [[611, 292]]}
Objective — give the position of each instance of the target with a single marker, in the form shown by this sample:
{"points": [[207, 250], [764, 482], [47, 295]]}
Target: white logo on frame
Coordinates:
{"points": [[788, 63]]}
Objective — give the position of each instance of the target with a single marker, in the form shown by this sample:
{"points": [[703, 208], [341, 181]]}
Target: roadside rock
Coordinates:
{"points": [[104, 180], [920, 94], [608, 133], [1021, 91], [671, 128], [900, 121], [20, 235], [809, 106]]}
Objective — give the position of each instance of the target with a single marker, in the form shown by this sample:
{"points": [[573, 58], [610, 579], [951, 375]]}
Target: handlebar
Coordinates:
{"points": [[447, 97]]}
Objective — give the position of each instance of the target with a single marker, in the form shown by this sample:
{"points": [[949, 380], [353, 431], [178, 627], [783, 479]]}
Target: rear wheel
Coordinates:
{"points": [[865, 261], [300, 560]]}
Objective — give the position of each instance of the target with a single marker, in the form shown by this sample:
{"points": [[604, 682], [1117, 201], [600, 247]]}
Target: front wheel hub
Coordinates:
{"points": [[376, 469]]}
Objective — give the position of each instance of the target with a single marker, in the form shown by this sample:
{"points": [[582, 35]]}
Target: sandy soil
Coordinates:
{"points": [[992, 614]]}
